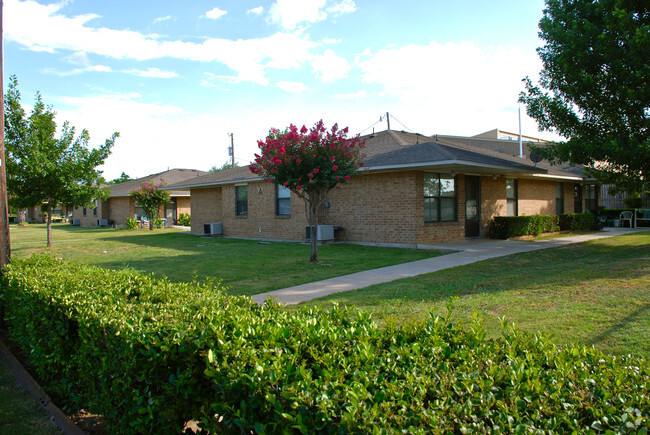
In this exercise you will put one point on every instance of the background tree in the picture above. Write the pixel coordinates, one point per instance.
(151, 199)
(310, 163)
(43, 170)
(121, 179)
(226, 165)
(594, 88)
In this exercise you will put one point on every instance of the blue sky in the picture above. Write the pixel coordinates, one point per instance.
(174, 78)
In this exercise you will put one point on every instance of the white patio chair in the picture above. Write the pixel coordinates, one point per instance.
(627, 216)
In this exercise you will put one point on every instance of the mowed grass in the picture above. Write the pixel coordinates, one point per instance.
(247, 267)
(595, 293)
(19, 412)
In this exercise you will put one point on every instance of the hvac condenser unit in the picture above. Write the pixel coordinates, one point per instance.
(213, 229)
(325, 232)
(75, 222)
(102, 222)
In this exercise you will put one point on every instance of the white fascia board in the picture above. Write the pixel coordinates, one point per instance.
(558, 177)
(217, 183)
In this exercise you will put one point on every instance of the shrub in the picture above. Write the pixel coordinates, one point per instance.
(184, 219)
(503, 227)
(577, 221)
(158, 223)
(151, 355)
(131, 223)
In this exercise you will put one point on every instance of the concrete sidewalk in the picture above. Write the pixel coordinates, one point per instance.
(470, 251)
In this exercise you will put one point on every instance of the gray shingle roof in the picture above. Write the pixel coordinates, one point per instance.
(394, 150)
(169, 177)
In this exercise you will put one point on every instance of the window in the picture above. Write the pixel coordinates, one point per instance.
(591, 198)
(95, 209)
(139, 213)
(439, 198)
(559, 198)
(283, 201)
(511, 197)
(84, 211)
(241, 200)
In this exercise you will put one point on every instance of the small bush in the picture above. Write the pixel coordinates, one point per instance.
(131, 223)
(184, 219)
(577, 221)
(158, 223)
(504, 227)
(151, 355)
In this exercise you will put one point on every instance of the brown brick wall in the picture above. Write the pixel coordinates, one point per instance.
(119, 209)
(384, 208)
(183, 205)
(536, 197)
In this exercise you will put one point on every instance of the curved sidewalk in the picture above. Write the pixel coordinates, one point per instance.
(470, 251)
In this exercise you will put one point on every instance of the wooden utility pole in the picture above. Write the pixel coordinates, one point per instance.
(5, 243)
(232, 148)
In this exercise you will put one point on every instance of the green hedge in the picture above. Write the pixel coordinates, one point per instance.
(151, 355)
(577, 221)
(503, 227)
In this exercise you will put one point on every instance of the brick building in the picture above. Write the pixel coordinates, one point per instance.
(119, 206)
(413, 190)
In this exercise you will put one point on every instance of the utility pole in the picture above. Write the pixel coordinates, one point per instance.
(387, 117)
(231, 150)
(5, 243)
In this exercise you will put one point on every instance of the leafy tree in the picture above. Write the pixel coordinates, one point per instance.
(121, 179)
(43, 169)
(221, 168)
(151, 198)
(594, 88)
(310, 163)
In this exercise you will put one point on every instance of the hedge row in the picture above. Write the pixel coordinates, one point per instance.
(151, 355)
(503, 227)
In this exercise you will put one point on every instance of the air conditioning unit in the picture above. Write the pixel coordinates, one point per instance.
(325, 232)
(102, 222)
(75, 222)
(213, 229)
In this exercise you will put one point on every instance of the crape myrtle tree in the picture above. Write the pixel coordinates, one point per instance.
(594, 88)
(151, 199)
(310, 163)
(46, 170)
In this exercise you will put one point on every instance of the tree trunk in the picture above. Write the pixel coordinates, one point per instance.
(49, 225)
(314, 208)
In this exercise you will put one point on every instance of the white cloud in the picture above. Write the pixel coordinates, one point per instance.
(162, 19)
(77, 71)
(352, 96)
(290, 14)
(42, 28)
(292, 87)
(330, 41)
(214, 14)
(153, 73)
(330, 67)
(475, 85)
(255, 11)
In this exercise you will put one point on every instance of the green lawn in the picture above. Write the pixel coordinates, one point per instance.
(246, 266)
(19, 412)
(597, 293)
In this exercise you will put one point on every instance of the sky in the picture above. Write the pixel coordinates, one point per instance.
(175, 79)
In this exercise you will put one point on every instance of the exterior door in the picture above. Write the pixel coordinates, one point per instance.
(170, 213)
(577, 198)
(472, 206)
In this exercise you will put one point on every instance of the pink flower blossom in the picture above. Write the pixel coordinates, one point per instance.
(347, 177)
(286, 183)
(298, 187)
(298, 161)
(338, 178)
(282, 150)
(316, 170)
(334, 167)
(332, 158)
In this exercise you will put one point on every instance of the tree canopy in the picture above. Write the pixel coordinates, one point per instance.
(593, 89)
(151, 198)
(45, 170)
(310, 163)
(121, 179)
